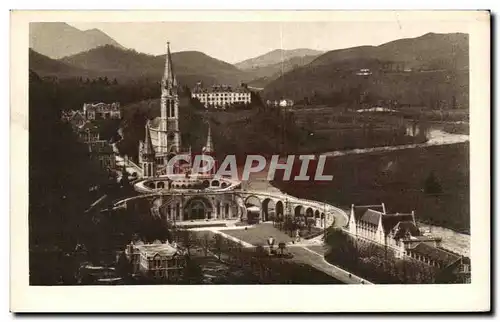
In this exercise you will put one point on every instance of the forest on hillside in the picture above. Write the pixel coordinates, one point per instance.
(63, 182)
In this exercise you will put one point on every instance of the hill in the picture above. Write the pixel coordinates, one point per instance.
(429, 52)
(431, 70)
(58, 39)
(261, 76)
(190, 66)
(274, 57)
(45, 66)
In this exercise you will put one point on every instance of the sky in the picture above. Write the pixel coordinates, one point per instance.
(236, 41)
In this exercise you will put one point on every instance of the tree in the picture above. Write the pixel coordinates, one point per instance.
(124, 267)
(260, 251)
(124, 181)
(193, 274)
(205, 243)
(432, 185)
(186, 239)
(310, 222)
(60, 176)
(279, 221)
(218, 243)
(272, 217)
(282, 247)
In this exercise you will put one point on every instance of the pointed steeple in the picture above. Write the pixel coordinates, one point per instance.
(209, 147)
(169, 80)
(148, 144)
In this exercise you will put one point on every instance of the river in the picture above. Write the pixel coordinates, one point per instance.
(435, 136)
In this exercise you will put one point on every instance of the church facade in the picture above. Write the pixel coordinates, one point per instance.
(162, 139)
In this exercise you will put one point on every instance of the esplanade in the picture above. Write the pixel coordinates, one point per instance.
(208, 198)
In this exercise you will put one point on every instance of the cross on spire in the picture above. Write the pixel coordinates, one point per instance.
(169, 80)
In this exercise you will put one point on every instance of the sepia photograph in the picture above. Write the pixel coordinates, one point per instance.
(272, 150)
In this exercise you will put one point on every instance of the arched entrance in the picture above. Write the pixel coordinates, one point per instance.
(316, 217)
(198, 208)
(253, 201)
(279, 208)
(254, 208)
(268, 208)
(299, 211)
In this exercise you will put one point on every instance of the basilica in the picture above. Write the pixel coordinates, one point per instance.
(162, 138)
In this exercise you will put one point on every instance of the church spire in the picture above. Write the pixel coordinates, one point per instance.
(209, 147)
(169, 80)
(148, 144)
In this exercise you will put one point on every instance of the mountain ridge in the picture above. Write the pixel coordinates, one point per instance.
(130, 65)
(428, 70)
(58, 39)
(275, 56)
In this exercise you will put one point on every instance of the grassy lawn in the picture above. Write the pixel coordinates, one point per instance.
(397, 178)
(320, 249)
(260, 234)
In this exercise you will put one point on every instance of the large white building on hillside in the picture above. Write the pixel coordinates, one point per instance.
(222, 96)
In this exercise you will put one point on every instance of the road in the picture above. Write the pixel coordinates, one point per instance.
(307, 255)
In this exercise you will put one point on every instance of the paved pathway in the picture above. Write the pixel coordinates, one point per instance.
(130, 167)
(317, 260)
(308, 252)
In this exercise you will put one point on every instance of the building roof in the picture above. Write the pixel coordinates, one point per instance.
(155, 123)
(89, 126)
(371, 216)
(77, 115)
(220, 89)
(436, 254)
(157, 248)
(389, 221)
(360, 210)
(103, 106)
(403, 228)
(137, 242)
